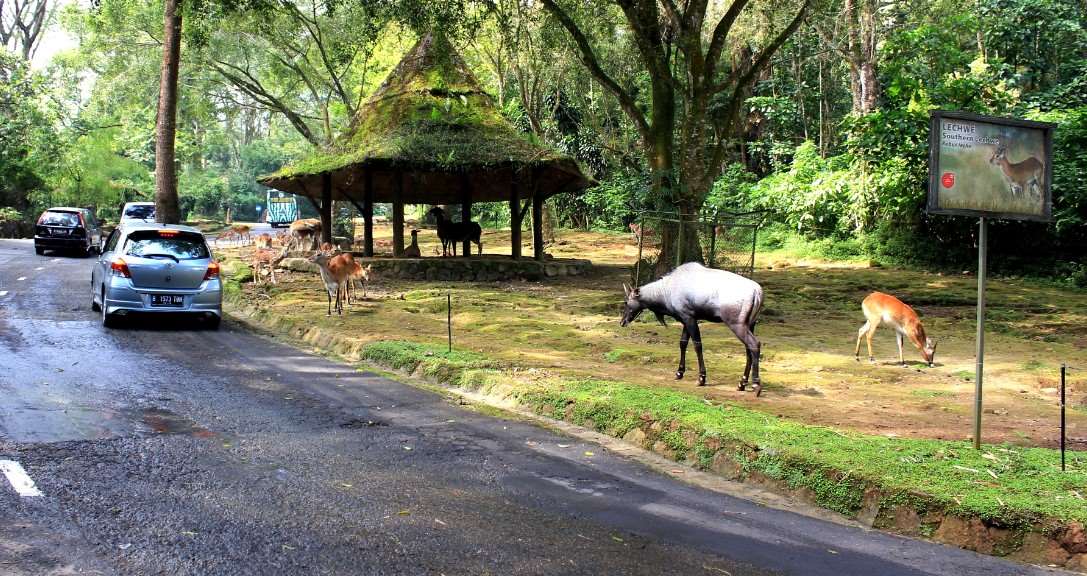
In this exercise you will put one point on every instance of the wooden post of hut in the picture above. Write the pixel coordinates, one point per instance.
(398, 214)
(326, 207)
(515, 219)
(466, 211)
(368, 214)
(537, 226)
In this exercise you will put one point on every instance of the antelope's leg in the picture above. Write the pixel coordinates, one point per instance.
(329, 294)
(754, 349)
(871, 332)
(696, 335)
(898, 338)
(683, 338)
(860, 335)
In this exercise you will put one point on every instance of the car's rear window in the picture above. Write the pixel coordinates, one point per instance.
(138, 212)
(51, 218)
(166, 244)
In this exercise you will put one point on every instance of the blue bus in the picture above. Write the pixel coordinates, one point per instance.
(282, 209)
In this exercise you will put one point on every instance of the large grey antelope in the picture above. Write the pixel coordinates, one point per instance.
(693, 292)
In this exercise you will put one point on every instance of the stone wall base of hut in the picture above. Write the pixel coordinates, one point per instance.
(475, 269)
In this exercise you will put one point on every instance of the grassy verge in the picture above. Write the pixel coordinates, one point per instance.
(1011, 487)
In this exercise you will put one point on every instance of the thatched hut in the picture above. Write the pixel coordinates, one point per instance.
(431, 135)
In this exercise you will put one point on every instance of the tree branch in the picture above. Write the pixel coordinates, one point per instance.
(588, 57)
(720, 34)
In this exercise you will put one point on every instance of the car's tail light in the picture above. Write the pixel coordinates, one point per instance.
(120, 267)
(213, 271)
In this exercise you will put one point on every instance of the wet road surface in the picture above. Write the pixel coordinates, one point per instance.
(160, 448)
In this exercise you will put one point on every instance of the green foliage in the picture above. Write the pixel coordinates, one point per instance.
(26, 139)
(614, 202)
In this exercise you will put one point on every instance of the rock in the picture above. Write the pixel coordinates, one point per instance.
(664, 450)
(1077, 562)
(635, 436)
(906, 521)
(1073, 538)
(870, 506)
(724, 465)
(1037, 549)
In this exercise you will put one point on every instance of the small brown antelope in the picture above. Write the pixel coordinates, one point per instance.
(241, 231)
(224, 236)
(1020, 175)
(360, 275)
(266, 258)
(264, 240)
(334, 276)
(879, 307)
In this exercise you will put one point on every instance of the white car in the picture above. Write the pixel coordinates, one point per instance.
(138, 212)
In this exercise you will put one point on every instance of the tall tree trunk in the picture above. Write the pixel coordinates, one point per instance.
(861, 27)
(166, 204)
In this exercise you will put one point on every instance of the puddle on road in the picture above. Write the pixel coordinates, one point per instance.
(160, 421)
(359, 423)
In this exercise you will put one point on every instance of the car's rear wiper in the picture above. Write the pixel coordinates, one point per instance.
(170, 256)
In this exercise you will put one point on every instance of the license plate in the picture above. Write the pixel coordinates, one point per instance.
(167, 300)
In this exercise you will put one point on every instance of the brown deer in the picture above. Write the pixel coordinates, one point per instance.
(224, 236)
(1020, 175)
(264, 241)
(879, 307)
(241, 231)
(307, 229)
(266, 258)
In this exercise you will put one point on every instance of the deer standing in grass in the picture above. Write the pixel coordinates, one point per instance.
(693, 292)
(879, 307)
(1020, 175)
(337, 273)
(266, 258)
(334, 276)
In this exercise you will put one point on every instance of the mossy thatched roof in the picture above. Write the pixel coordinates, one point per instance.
(432, 126)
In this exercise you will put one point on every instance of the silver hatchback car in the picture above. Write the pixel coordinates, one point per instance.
(156, 268)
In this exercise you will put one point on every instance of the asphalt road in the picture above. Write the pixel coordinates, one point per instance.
(162, 449)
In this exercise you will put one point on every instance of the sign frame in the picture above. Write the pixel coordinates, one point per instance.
(932, 202)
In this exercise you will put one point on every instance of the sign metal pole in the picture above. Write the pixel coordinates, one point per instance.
(1063, 367)
(980, 367)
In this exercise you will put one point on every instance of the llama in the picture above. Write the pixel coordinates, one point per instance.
(413, 250)
(451, 232)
